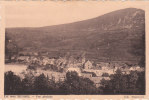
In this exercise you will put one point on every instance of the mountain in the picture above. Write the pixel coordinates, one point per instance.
(117, 35)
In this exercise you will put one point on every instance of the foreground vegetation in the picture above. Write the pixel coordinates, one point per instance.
(119, 83)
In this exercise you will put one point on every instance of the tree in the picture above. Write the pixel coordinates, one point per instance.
(116, 85)
(77, 85)
(28, 81)
(12, 83)
(140, 84)
(133, 83)
(40, 83)
(43, 85)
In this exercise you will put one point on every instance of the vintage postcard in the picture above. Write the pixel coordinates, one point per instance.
(74, 50)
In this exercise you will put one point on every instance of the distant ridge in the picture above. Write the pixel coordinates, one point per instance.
(117, 35)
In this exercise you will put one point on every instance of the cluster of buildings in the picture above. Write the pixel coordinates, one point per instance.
(84, 68)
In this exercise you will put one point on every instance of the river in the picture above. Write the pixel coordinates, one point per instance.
(16, 68)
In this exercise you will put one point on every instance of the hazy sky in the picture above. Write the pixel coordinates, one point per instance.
(37, 14)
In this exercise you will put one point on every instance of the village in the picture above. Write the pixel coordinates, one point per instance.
(56, 68)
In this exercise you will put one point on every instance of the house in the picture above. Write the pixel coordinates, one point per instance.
(22, 53)
(59, 62)
(74, 65)
(52, 61)
(35, 53)
(136, 68)
(87, 74)
(125, 71)
(23, 59)
(88, 65)
(110, 71)
(103, 64)
(62, 78)
(106, 78)
(13, 58)
(45, 61)
(97, 67)
(97, 72)
(132, 68)
(104, 68)
(33, 59)
(56, 76)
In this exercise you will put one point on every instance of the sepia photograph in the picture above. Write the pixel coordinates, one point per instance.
(74, 49)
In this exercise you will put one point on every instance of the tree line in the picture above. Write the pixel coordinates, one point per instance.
(119, 83)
